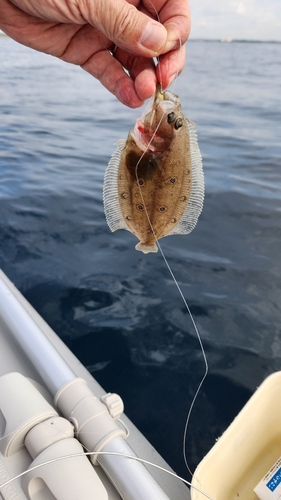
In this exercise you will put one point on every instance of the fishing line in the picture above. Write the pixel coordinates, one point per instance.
(158, 57)
(170, 270)
(91, 453)
(132, 457)
(186, 306)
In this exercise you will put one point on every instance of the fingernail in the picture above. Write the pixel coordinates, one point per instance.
(153, 37)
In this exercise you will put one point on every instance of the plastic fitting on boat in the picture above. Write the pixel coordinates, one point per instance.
(114, 404)
(94, 425)
(45, 434)
(59, 463)
(63, 465)
(21, 407)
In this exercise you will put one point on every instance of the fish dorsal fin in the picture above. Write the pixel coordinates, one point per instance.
(112, 210)
(194, 206)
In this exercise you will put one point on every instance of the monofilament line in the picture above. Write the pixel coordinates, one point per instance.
(90, 453)
(158, 58)
(203, 354)
(180, 292)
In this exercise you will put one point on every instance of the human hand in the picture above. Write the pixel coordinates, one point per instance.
(105, 36)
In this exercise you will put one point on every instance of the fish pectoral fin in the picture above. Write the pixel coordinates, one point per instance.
(146, 248)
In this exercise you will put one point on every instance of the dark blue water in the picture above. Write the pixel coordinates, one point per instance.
(117, 309)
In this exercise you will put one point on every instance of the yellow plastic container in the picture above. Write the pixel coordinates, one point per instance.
(247, 449)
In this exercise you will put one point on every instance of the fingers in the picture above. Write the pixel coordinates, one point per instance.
(110, 73)
(131, 88)
(141, 70)
(137, 32)
(170, 66)
(126, 26)
(175, 16)
(82, 32)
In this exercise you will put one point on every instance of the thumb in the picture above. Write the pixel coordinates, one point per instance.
(125, 26)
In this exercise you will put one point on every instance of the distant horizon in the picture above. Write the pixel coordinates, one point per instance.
(209, 39)
(253, 20)
(232, 40)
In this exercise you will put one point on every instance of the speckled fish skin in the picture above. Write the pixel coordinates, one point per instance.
(154, 171)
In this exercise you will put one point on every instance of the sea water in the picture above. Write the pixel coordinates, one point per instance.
(119, 311)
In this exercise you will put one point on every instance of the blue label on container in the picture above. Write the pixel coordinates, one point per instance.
(275, 480)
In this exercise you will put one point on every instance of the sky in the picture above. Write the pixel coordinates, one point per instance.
(236, 19)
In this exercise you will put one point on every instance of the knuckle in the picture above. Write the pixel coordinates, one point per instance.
(124, 25)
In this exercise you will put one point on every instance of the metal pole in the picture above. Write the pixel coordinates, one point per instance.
(45, 358)
(132, 480)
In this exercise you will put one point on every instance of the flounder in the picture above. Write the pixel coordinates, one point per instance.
(154, 183)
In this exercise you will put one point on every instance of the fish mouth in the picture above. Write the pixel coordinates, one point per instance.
(148, 141)
(165, 102)
(144, 138)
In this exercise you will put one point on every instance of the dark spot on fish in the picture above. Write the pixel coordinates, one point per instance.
(178, 123)
(145, 166)
(150, 231)
(172, 180)
(171, 117)
(173, 220)
(140, 207)
(162, 209)
(141, 182)
(183, 198)
(187, 171)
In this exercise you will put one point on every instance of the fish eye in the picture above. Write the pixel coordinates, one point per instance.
(171, 117)
(178, 123)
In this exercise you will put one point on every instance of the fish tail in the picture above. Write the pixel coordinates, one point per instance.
(146, 248)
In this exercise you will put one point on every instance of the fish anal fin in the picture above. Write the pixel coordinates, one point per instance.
(112, 210)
